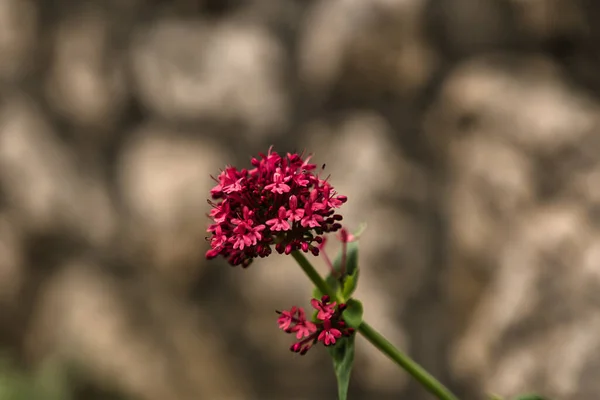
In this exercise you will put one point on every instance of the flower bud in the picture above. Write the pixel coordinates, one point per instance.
(296, 347)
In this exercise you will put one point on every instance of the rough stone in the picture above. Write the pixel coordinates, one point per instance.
(164, 179)
(18, 38)
(42, 181)
(190, 70)
(85, 84)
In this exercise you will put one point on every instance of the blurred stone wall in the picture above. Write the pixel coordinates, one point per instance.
(464, 132)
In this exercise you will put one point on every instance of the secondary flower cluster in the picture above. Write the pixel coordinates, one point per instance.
(328, 329)
(281, 202)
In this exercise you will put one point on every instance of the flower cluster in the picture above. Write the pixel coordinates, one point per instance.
(329, 327)
(280, 202)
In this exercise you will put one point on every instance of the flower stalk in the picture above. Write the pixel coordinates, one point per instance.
(314, 276)
(409, 365)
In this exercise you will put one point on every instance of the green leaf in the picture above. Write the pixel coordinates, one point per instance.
(530, 397)
(342, 354)
(351, 269)
(353, 313)
(333, 283)
(351, 258)
(350, 284)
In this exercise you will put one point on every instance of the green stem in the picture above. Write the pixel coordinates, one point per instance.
(377, 340)
(417, 372)
(313, 275)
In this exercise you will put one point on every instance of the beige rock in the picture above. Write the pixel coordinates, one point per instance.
(90, 318)
(42, 182)
(524, 101)
(467, 27)
(86, 81)
(328, 32)
(18, 38)
(532, 325)
(12, 263)
(164, 177)
(516, 141)
(230, 73)
(365, 47)
(579, 174)
(490, 183)
(548, 19)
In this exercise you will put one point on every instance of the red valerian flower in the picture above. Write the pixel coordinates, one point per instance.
(280, 202)
(281, 222)
(329, 334)
(325, 310)
(328, 329)
(286, 318)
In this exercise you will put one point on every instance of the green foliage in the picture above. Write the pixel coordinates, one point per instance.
(350, 278)
(353, 313)
(342, 355)
(349, 285)
(344, 280)
(351, 259)
(48, 383)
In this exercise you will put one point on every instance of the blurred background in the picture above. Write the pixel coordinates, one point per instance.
(464, 133)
